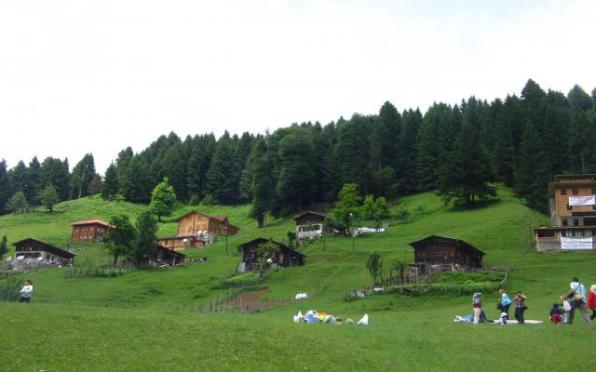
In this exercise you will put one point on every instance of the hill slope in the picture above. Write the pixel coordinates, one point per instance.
(154, 312)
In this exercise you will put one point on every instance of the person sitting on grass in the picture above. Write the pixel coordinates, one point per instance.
(26, 291)
(556, 314)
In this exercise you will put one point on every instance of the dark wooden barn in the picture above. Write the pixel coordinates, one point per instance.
(92, 230)
(284, 256)
(166, 256)
(33, 252)
(441, 253)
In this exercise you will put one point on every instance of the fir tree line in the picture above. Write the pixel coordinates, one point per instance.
(458, 150)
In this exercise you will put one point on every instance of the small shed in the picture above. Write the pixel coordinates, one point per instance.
(182, 242)
(309, 225)
(91, 230)
(284, 255)
(166, 256)
(442, 253)
(33, 252)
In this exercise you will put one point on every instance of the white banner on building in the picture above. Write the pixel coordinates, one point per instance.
(576, 243)
(582, 200)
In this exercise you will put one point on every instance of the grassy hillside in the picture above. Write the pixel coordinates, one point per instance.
(152, 318)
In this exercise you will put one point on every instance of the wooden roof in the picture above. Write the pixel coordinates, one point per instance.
(44, 246)
(170, 251)
(91, 222)
(310, 212)
(191, 213)
(460, 242)
(259, 241)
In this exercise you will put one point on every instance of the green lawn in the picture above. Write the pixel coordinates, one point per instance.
(153, 319)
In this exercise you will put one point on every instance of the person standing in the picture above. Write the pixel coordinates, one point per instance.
(577, 299)
(477, 306)
(592, 301)
(520, 307)
(26, 291)
(505, 302)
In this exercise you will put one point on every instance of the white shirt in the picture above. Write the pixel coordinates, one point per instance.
(26, 291)
(579, 289)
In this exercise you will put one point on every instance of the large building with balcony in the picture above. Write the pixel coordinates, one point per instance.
(572, 203)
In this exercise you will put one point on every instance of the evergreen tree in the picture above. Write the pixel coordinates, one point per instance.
(32, 188)
(201, 151)
(163, 199)
(3, 248)
(508, 120)
(223, 177)
(579, 100)
(120, 237)
(48, 197)
(375, 266)
(81, 177)
(19, 178)
(391, 127)
(136, 185)
(464, 176)
(122, 164)
(295, 186)
(262, 185)
(144, 245)
(55, 172)
(351, 152)
(17, 203)
(174, 167)
(5, 189)
(406, 169)
(109, 187)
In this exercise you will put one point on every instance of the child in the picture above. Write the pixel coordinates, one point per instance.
(556, 314)
(503, 318)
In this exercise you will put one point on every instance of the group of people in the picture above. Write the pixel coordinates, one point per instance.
(562, 312)
(503, 305)
(576, 299)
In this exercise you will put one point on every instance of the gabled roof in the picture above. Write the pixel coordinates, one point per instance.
(191, 213)
(170, 251)
(46, 247)
(259, 241)
(222, 219)
(460, 242)
(310, 212)
(91, 222)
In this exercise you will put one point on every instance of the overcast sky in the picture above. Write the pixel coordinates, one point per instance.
(96, 76)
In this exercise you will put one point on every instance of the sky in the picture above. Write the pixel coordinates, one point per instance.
(80, 76)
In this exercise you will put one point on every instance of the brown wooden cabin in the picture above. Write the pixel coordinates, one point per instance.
(195, 222)
(285, 256)
(33, 252)
(166, 256)
(440, 253)
(572, 203)
(92, 230)
(309, 225)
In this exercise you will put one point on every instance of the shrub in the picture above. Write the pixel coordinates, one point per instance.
(9, 288)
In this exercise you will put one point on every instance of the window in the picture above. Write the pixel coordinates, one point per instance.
(576, 222)
(564, 221)
(574, 191)
(593, 191)
(563, 191)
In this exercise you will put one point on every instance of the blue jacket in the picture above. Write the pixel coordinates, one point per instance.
(505, 300)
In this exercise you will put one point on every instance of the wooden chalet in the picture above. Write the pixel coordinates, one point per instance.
(33, 252)
(440, 253)
(572, 204)
(92, 230)
(310, 225)
(284, 255)
(197, 230)
(166, 256)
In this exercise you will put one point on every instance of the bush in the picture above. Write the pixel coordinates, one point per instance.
(250, 280)
(10, 288)
(95, 272)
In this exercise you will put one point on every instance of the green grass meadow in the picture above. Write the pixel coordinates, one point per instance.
(156, 319)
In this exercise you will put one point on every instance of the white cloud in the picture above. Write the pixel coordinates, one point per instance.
(97, 76)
